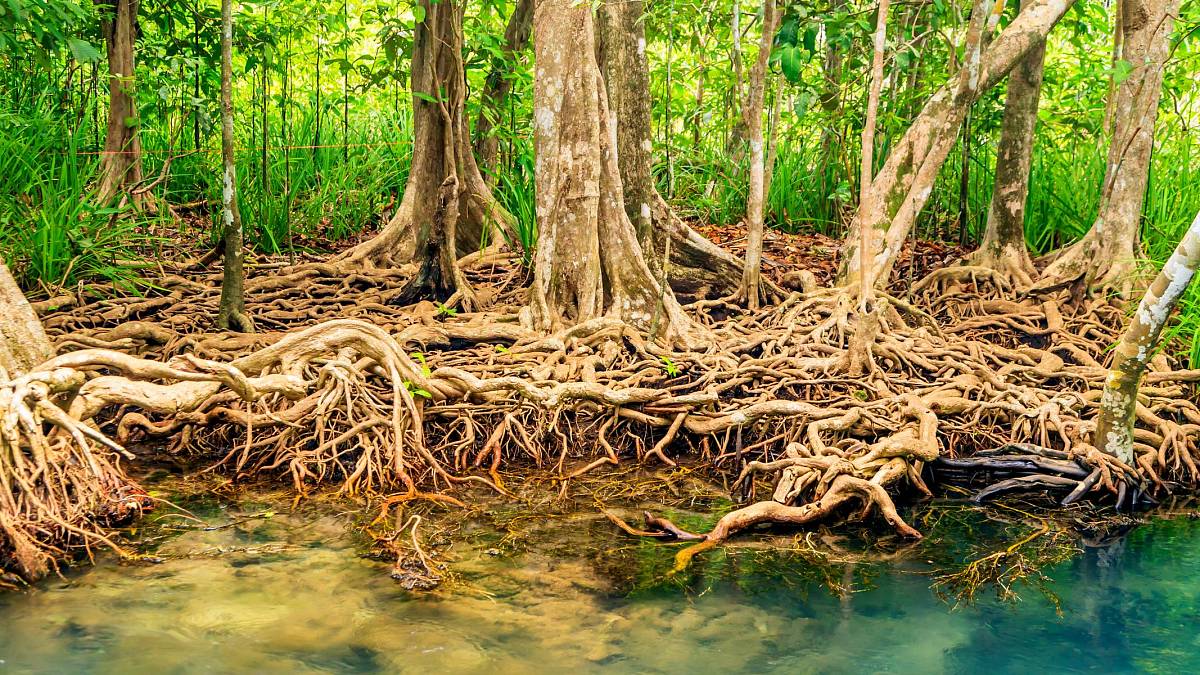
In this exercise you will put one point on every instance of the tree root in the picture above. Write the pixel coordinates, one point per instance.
(417, 400)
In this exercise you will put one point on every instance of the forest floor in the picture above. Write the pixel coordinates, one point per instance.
(958, 387)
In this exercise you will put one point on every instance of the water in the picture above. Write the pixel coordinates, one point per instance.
(292, 593)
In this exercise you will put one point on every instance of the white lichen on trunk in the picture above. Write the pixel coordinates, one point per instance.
(1118, 403)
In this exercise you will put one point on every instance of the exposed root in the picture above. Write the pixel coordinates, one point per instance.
(420, 400)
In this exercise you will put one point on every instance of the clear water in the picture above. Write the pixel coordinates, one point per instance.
(292, 593)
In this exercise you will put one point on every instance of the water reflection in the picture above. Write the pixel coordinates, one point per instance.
(290, 593)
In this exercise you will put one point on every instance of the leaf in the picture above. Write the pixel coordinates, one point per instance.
(791, 61)
(83, 51)
(1121, 71)
(418, 14)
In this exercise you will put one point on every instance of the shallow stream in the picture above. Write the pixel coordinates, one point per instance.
(271, 591)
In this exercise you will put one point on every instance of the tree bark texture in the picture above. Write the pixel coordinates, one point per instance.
(447, 209)
(23, 342)
(1003, 247)
(905, 181)
(121, 163)
(588, 263)
(232, 313)
(752, 113)
(1106, 256)
(1118, 403)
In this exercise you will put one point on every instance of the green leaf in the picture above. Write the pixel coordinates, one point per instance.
(83, 51)
(791, 61)
(1121, 71)
(418, 14)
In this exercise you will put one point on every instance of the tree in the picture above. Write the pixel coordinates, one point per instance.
(696, 266)
(752, 113)
(448, 209)
(232, 314)
(867, 166)
(1106, 257)
(499, 84)
(23, 342)
(1003, 248)
(1119, 402)
(588, 262)
(121, 163)
(904, 183)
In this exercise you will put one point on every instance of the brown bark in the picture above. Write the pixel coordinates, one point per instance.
(447, 209)
(1105, 258)
(904, 183)
(697, 266)
(1003, 247)
(23, 342)
(121, 163)
(232, 314)
(867, 155)
(498, 86)
(588, 262)
(752, 113)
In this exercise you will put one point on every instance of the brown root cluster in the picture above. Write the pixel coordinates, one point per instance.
(844, 410)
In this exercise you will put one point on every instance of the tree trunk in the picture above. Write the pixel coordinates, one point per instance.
(447, 209)
(1118, 404)
(232, 313)
(904, 183)
(1105, 258)
(697, 266)
(121, 163)
(498, 85)
(621, 34)
(1003, 247)
(23, 342)
(588, 262)
(752, 113)
(867, 155)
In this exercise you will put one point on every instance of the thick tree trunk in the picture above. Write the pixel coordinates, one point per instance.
(447, 210)
(697, 266)
(752, 113)
(232, 314)
(904, 183)
(1118, 404)
(621, 32)
(1105, 258)
(588, 262)
(1003, 247)
(23, 342)
(498, 86)
(121, 163)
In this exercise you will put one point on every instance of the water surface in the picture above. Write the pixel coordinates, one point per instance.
(293, 593)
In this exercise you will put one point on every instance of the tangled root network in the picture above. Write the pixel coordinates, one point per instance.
(844, 407)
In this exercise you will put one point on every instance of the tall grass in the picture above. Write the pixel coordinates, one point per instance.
(52, 229)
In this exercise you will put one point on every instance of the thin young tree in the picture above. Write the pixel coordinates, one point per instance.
(1003, 248)
(1106, 257)
(498, 86)
(588, 262)
(232, 313)
(121, 161)
(1118, 403)
(867, 165)
(753, 116)
(901, 187)
(447, 210)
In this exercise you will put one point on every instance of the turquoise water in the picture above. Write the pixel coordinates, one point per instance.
(274, 592)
